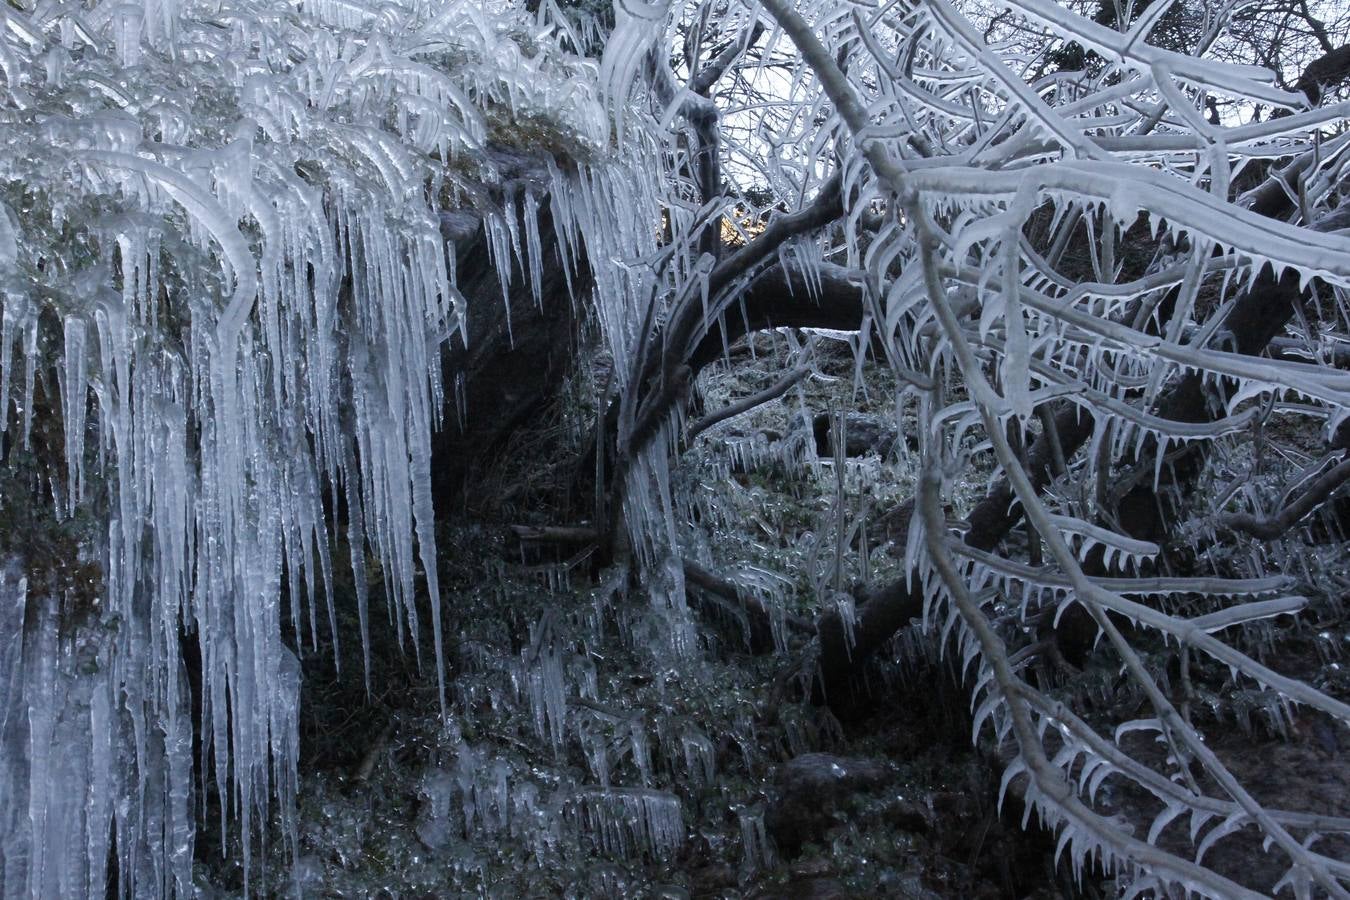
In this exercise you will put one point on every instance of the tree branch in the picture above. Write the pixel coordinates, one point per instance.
(1269, 527)
(759, 616)
(773, 392)
(702, 82)
(827, 206)
(1328, 70)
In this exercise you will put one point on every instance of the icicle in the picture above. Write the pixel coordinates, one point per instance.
(630, 822)
(700, 756)
(12, 323)
(757, 850)
(74, 395)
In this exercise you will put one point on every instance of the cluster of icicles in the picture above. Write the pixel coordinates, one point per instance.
(220, 232)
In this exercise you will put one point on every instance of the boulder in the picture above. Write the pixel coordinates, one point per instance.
(810, 789)
(863, 434)
(810, 888)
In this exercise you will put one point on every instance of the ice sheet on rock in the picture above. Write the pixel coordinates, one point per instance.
(257, 325)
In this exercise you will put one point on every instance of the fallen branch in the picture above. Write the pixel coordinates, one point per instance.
(556, 534)
(733, 598)
(773, 392)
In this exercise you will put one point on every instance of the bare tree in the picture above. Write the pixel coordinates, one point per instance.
(1100, 257)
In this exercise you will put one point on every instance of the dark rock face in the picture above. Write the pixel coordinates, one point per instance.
(811, 789)
(863, 434)
(519, 351)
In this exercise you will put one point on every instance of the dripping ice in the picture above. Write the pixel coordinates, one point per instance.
(256, 333)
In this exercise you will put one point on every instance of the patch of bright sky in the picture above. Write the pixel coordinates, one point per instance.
(775, 126)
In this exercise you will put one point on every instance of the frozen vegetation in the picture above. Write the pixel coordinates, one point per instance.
(920, 357)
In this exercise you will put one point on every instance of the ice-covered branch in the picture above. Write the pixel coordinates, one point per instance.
(1277, 523)
(955, 211)
(744, 405)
